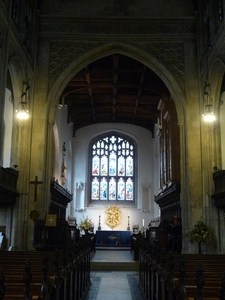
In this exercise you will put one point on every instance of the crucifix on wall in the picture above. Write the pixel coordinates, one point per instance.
(35, 183)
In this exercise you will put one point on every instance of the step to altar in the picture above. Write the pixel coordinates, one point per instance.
(113, 260)
(114, 266)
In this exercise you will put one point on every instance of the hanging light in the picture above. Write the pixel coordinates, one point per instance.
(22, 112)
(209, 115)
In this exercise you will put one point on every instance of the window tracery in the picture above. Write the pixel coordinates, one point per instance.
(112, 169)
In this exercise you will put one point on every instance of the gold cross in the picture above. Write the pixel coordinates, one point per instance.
(35, 183)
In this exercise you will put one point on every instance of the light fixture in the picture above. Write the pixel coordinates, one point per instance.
(22, 112)
(208, 115)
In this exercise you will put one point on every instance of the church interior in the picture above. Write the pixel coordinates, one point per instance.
(112, 137)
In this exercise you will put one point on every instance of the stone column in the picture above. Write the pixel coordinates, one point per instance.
(80, 195)
(4, 40)
(21, 209)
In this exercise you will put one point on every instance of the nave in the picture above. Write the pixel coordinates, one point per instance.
(114, 275)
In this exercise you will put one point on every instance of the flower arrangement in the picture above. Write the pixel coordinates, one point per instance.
(201, 233)
(86, 224)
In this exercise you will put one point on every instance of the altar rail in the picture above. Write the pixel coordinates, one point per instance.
(189, 276)
(58, 275)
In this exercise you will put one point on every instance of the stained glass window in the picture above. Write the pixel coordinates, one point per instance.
(112, 169)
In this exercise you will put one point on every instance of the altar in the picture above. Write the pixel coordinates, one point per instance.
(113, 238)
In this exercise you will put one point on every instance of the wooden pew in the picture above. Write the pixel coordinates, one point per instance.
(213, 268)
(13, 265)
(73, 272)
(157, 281)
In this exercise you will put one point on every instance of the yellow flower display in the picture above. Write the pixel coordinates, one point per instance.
(86, 224)
(201, 234)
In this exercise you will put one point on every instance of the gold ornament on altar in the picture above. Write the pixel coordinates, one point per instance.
(113, 216)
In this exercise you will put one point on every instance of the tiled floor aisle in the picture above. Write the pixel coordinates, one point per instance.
(114, 285)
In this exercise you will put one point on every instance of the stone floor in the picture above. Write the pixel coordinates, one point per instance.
(114, 285)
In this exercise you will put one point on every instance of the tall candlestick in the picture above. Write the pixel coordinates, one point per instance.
(128, 225)
(143, 224)
(99, 223)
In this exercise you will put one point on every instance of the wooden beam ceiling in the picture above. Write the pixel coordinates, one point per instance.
(114, 89)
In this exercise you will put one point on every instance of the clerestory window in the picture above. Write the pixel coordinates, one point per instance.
(112, 169)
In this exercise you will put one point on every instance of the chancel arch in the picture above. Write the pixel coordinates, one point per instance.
(217, 80)
(151, 62)
(136, 53)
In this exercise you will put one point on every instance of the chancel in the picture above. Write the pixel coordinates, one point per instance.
(121, 153)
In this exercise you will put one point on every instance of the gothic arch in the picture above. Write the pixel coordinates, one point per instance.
(151, 62)
(217, 76)
(17, 72)
(124, 49)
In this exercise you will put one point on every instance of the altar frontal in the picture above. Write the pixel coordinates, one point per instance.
(113, 238)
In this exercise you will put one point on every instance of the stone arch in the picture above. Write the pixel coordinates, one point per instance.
(17, 72)
(217, 74)
(216, 152)
(151, 62)
(124, 49)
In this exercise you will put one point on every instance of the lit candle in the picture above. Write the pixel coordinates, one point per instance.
(143, 222)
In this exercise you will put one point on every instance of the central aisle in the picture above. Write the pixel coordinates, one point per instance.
(114, 284)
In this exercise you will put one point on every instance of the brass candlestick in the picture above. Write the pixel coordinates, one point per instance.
(128, 225)
(99, 223)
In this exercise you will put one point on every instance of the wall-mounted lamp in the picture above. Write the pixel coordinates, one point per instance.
(208, 116)
(22, 112)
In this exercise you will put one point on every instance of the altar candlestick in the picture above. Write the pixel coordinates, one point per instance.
(143, 224)
(128, 225)
(99, 223)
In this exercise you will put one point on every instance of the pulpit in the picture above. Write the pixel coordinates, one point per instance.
(113, 238)
(8, 189)
(54, 232)
(219, 193)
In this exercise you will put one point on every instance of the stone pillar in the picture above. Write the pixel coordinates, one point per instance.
(80, 195)
(21, 209)
(4, 40)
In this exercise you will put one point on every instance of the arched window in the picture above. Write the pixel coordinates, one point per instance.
(112, 169)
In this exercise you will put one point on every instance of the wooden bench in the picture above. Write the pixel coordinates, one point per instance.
(213, 267)
(152, 276)
(13, 263)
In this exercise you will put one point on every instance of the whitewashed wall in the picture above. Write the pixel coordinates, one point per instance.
(145, 207)
(77, 171)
